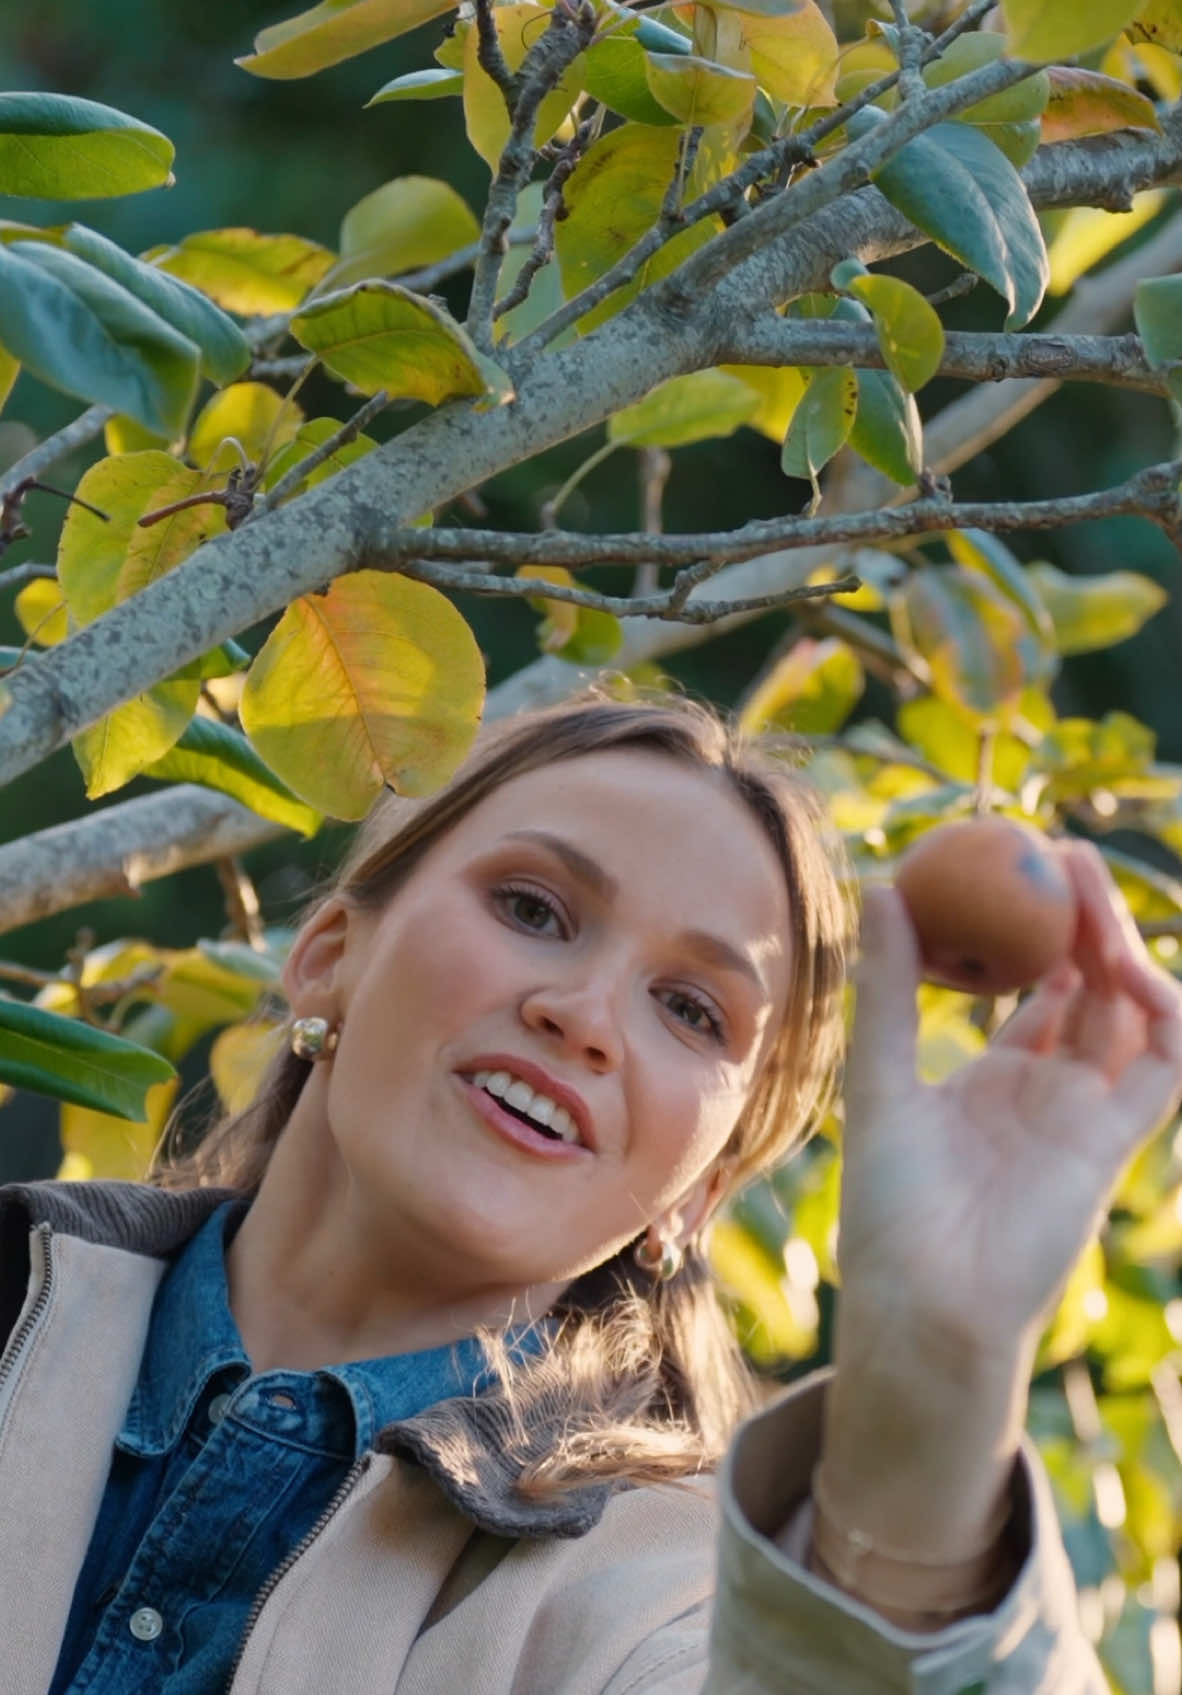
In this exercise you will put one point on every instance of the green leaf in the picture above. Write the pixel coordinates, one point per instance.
(887, 431)
(1010, 119)
(697, 91)
(614, 73)
(1157, 313)
(596, 639)
(10, 370)
(376, 681)
(407, 223)
(955, 626)
(218, 757)
(57, 147)
(376, 335)
(909, 329)
(956, 186)
(333, 31)
(1087, 103)
(1095, 612)
(696, 407)
(73, 1061)
(435, 83)
(821, 423)
(306, 440)
(1059, 29)
(225, 352)
(78, 331)
(245, 271)
(979, 551)
(613, 197)
(221, 661)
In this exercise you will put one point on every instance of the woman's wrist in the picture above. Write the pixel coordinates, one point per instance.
(914, 1479)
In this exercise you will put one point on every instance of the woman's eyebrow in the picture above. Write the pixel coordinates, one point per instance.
(603, 884)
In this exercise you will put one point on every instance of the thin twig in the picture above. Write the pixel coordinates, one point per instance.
(242, 902)
(567, 33)
(17, 575)
(299, 474)
(975, 356)
(77, 433)
(655, 468)
(553, 208)
(1151, 493)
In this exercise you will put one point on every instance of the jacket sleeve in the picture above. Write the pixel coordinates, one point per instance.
(777, 1629)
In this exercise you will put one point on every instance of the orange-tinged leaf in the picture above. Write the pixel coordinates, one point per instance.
(377, 681)
(1086, 103)
(332, 31)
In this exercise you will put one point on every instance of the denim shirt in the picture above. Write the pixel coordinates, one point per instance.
(216, 1476)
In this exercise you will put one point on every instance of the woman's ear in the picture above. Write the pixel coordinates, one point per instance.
(697, 1205)
(311, 976)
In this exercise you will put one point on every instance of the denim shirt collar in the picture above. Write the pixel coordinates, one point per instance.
(193, 1337)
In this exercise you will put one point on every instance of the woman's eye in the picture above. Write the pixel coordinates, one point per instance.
(528, 908)
(697, 1014)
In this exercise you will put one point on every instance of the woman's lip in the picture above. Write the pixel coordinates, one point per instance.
(537, 1078)
(513, 1130)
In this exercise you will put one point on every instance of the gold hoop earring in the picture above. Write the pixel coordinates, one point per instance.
(663, 1263)
(313, 1039)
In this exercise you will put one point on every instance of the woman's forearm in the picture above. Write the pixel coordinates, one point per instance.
(917, 1457)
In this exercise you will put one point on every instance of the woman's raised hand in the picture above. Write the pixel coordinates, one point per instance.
(965, 1204)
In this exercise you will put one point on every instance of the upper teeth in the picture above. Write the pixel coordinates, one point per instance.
(520, 1095)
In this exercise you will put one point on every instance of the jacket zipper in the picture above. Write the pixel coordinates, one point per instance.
(356, 1471)
(36, 1312)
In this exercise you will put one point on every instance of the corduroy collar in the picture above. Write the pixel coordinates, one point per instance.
(465, 1449)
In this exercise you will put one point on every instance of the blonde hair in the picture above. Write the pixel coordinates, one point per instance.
(647, 1378)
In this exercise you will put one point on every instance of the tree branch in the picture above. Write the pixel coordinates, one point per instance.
(569, 30)
(235, 580)
(1151, 493)
(976, 357)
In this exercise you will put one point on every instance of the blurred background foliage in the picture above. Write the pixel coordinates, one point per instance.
(1106, 1408)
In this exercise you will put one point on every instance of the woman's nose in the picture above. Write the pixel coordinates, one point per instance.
(581, 1017)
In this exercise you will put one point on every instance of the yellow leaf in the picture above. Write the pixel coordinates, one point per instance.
(332, 31)
(780, 389)
(698, 92)
(783, 1315)
(486, 116)
(133, 736)
(41, 608)
(238, 1061)
(249, 413)
(793, 54)
(1043, 30)
(97, 1145)
(1087, 234)
(376, 335)
(124, 435)
(562, 617)
(378, 680)
(9, 371)
(245, 270)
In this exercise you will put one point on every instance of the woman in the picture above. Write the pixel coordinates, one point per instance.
(411, 1379)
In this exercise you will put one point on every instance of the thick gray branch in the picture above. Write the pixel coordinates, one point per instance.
(113, 851)
(977, 357)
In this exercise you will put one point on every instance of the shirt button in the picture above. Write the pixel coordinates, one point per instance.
(217, 1408)
(145, 1624)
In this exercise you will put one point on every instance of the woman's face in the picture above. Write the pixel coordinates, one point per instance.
(605, 938)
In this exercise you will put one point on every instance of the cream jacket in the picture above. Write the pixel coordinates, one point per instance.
(427, 1576)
